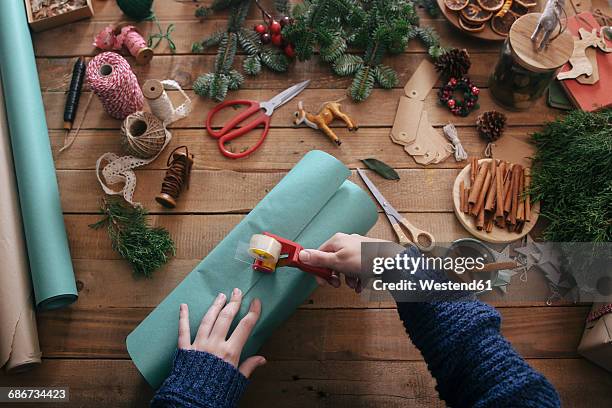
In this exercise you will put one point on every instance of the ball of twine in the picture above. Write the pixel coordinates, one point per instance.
(143, 135)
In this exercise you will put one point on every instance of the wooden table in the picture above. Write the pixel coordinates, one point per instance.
(338, 349)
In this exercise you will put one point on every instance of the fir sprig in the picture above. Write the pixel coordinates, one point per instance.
(571, 176)
(376, 27)
(146, 248)
(215, 85)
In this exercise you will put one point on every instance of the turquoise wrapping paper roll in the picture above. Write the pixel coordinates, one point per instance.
(310, 204)
(47, 243)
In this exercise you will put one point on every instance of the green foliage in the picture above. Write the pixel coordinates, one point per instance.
(211, 41)
(216, 84)
(362, 84)
(431, 6)
(381, 168)
(146, 248)
(274, 60)
(385, 76)
(347, 64)
(252, 65)
(571, 176)
(333, 50)
(375, 27)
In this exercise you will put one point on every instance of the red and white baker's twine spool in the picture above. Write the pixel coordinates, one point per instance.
(111, 78)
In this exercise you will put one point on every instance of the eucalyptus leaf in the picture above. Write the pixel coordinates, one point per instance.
(381, 168)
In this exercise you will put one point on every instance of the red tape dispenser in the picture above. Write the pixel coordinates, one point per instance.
(271, 251)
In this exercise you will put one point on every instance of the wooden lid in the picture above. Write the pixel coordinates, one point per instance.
(152, 89)
(552, 57)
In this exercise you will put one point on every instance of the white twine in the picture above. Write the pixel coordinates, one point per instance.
(121, 169)
(162, 107)
(451, 134)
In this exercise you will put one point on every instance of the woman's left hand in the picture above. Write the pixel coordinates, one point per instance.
(215, 325)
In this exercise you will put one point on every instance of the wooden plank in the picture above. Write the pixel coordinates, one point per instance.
(184, 10)
(282, 149)
(95, 276)
(55, 73)
(235, 192)
(377, 111)
(196, 235)
(53, 43)
(297, 384)
(353, 335)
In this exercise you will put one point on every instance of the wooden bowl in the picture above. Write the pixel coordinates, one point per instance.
(498, 235)
(487, 33)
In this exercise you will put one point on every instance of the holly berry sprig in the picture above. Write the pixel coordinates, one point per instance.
(270, 32)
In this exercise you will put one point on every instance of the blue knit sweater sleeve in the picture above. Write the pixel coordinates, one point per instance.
(200, 380)
(473, 364)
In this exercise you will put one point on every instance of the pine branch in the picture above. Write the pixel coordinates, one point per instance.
(146, 248)
(362, 84)
(385, 76)
(216, 84)
(252, 65)
(375, 27)
(347, 64)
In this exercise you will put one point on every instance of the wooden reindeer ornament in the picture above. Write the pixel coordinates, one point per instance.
(326, 115)
(579, 60)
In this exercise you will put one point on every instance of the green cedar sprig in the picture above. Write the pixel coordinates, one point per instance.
(146, 248)
(215, 85)
(572, 177)
(375, 27)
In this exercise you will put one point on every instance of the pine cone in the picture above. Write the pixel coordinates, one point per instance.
(490, 125)
(454, 63)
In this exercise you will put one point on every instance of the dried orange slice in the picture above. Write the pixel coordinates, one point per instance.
(456, 5)
(474, 14)
(491, 5)
(501, 25)
(470, 27)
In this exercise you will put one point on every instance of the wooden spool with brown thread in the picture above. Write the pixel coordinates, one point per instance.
(177, 176)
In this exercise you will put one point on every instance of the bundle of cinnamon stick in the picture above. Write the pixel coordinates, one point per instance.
(497, 195)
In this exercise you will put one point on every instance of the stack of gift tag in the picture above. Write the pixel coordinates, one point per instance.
(411, 127)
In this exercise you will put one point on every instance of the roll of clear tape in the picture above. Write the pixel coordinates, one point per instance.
(265, 248)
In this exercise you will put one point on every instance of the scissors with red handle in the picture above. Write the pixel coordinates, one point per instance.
(260, 112)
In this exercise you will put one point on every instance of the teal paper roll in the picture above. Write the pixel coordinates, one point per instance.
(47, 244)
(310, 204)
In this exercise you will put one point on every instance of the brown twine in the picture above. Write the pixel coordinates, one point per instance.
(177, 175)
(143, 135)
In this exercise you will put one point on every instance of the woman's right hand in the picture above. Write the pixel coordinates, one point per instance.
(342, 254)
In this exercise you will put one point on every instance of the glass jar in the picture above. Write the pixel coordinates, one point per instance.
(522, 74)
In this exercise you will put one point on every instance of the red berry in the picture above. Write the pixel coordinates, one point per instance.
(451, 103)
(275, 27)
(289, 51)
(260, 28)
(285, 21)
(277, 39)
(475, 90)
(265, 38)
(452, 82)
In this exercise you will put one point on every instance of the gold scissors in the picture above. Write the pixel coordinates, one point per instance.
(422, 239)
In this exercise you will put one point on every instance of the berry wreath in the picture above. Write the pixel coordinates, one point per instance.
(470, 96)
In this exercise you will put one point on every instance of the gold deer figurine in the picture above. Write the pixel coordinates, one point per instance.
(328, 112)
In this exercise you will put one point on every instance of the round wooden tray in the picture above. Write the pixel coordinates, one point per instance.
(487, 33)
(498, 235)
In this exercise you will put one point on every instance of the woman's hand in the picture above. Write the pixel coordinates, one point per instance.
(212, 334)
(342, 254)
